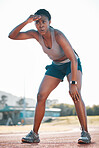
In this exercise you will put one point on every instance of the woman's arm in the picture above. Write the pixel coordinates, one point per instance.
(17, 35)
(63, 42)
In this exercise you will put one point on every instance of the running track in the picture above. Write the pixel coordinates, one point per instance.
(67, 139)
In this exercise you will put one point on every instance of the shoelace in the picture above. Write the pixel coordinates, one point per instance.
(29, 134)
(83, 134)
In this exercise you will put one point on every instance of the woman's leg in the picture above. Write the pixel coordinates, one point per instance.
(79, 105)
(47, 86)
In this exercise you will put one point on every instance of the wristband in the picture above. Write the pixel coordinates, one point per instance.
(73, 82)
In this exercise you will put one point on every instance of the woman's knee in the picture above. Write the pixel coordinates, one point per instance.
(41, 97)
(77, 98)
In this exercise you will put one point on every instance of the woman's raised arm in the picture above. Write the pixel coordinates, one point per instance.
(17, 35)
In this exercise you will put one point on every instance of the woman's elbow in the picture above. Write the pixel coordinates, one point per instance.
(11, 37)
(75, 61)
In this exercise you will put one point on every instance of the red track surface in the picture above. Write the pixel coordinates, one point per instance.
(50, 140)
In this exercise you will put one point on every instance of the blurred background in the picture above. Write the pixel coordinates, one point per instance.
(22, 63)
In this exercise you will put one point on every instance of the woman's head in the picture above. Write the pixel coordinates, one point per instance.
(43, 12)
(43, 23)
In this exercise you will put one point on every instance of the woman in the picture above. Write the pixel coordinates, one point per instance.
(65, 63)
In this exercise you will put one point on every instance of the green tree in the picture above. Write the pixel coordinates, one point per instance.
(3, 99)
(96, 109)
(89, 111)
(21, 102)
(69, 110)
(66, 109)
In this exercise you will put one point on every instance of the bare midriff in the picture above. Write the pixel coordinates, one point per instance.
(61, 59)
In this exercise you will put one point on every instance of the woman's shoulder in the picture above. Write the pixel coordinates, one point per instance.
(58, 34)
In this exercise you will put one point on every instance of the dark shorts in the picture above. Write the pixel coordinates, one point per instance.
(60, 71)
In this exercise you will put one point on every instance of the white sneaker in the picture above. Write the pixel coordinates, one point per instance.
(85, 138)
(31, 138)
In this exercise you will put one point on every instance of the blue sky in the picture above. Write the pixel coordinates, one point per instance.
(22, 63)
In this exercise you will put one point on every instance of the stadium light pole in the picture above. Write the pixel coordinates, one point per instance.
(24, 105)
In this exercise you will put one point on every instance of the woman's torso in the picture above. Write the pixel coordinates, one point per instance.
(55, 53)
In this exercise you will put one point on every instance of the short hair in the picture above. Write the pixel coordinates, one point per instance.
(43, 12)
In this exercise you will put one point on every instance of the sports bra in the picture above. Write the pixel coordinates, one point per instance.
(55, 52)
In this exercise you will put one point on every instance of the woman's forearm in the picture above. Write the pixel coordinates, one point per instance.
(16, 30)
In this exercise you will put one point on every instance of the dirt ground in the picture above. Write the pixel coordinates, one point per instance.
(61, 138)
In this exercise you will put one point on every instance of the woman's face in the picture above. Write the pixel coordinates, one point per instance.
(42, 25)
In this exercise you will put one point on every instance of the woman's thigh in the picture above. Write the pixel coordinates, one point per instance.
(48, 84)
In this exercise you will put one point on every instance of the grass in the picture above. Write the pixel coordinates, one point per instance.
(73, 120)
(93, 120)
(58, 124)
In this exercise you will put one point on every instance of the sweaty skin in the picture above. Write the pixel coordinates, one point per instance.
(49, 83)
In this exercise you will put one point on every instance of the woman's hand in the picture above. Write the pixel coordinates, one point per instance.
(33, 18)
(74, 93)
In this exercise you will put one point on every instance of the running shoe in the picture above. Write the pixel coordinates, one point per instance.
(85, 138)
(31, 138)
